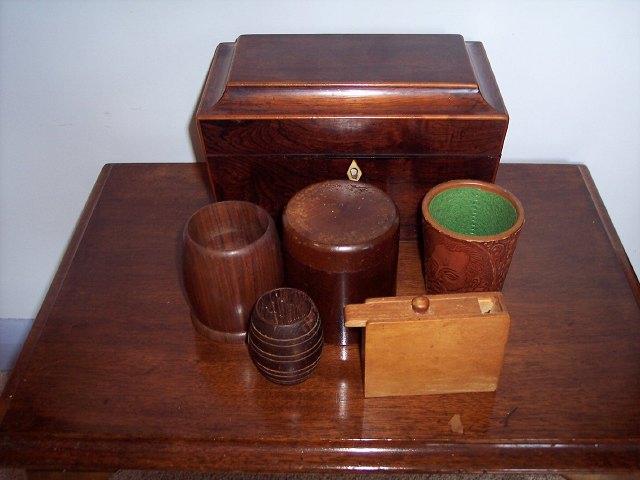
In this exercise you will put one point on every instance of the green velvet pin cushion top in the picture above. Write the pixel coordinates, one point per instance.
(473, 211)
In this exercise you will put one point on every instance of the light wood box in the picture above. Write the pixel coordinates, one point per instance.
(455, 345)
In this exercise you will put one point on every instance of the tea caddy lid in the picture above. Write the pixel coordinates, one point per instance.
(340, 225)
(302, 76)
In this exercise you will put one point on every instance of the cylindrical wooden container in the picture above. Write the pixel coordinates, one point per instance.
(340, 246)
(285, 336)
(231, 257)
(470, 232)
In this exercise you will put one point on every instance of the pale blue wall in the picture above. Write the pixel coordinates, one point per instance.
(83, 83)
(13, 332)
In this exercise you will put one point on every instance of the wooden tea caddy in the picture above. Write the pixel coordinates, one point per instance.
(431, 344)
(402, 112)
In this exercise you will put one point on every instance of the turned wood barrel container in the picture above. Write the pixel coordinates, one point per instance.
(285, 336)
(340, 246)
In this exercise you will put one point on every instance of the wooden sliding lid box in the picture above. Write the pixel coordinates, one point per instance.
(280, 112)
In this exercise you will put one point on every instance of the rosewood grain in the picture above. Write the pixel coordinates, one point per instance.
(231, 257)
(418, 110)
(374, 136)
(280, 177)
(113, 375)
(370, 59)
(341, 246)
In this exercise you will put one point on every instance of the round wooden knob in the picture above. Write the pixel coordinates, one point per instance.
(420, 304)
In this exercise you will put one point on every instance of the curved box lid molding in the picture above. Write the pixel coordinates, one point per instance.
(289, 76)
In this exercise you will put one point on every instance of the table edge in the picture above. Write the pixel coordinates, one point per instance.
(335, 456)
(229, 454)
(54, 289)
(611, 232)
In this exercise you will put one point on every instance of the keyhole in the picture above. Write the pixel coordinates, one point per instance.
(353, 172)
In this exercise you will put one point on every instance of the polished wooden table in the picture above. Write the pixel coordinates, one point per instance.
(113, 375)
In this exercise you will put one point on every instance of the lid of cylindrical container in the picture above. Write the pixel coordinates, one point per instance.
(340, 225)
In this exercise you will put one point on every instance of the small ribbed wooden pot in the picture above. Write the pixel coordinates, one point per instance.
(285, 336)
(341, 246)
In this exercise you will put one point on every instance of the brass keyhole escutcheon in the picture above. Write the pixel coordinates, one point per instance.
(354, 173)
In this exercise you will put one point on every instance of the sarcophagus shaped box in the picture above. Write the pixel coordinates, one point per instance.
(402, 112)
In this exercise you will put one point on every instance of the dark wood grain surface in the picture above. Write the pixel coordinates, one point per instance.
(320, 59)
(281, 112)
(285, 336)
(354, 136)
(340, 240)
(231, 256)
(406, 76)
(114, 376)
(272, 182)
